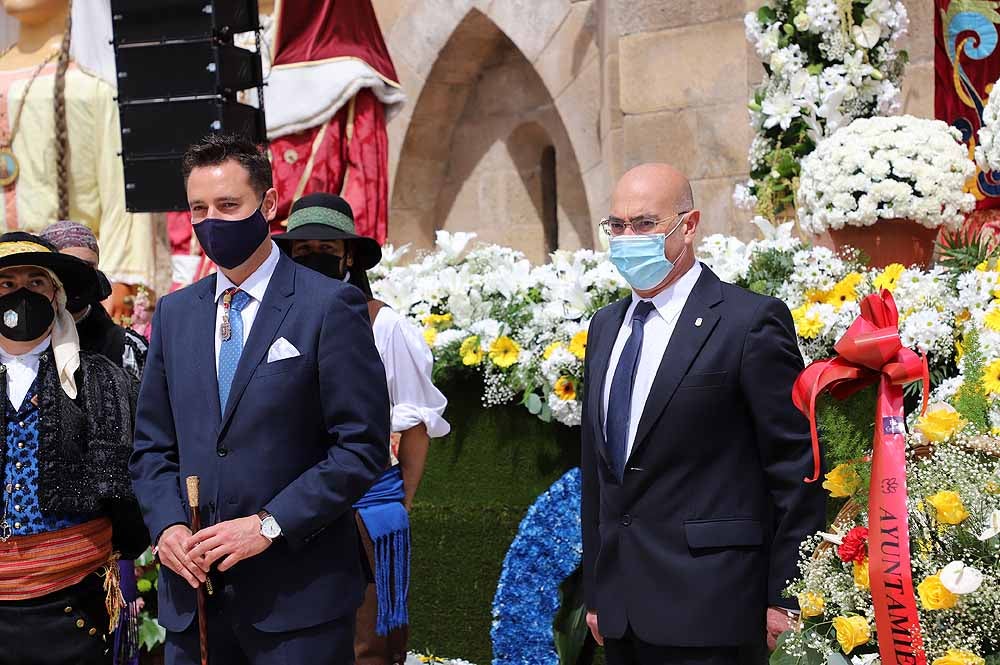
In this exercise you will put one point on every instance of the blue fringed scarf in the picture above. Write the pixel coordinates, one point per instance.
(388, 524)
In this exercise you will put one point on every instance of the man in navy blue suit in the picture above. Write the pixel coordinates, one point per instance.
(263, 380)
(693, 455)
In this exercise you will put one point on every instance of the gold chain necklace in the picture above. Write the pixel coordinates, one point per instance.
(10, 169)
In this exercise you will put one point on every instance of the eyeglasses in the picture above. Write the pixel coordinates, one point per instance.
(612, 226)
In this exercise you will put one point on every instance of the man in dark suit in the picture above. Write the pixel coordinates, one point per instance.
(693, 454)
(263, 380)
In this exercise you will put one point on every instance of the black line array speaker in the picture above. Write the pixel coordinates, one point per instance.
(178, 78)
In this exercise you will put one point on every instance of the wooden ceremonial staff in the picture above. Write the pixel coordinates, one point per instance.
(193, 500)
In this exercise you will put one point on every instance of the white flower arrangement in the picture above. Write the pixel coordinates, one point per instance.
(988, 150)
(827, 62)
(885, 168)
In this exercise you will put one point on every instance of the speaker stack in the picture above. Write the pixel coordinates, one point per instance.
(178, 79)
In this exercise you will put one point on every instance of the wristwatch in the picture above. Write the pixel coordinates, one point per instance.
(269, 526)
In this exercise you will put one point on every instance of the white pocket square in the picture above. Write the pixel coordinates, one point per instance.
(282, 349)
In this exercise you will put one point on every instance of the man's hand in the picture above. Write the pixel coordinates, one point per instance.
(779, 621)
(229, 542)
(594, 630)
(172, 549)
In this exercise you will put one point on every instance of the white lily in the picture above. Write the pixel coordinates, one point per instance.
(453, 244)
(391, 255)
(992, 527)
(867, 34)
(832, 538)
(960, 579)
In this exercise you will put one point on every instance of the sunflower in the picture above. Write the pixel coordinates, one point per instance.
(504, 352)
(889, 277)
(565, 388)
(991, 378)
(550, 349)
(578, 345)
(471, 351)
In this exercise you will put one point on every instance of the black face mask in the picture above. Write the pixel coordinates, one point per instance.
(326, 264)
(25, 315)
(78, 302)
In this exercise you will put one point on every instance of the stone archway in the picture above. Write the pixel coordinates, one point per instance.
(547, 51)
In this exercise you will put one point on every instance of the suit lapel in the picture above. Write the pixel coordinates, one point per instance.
(204, 354)
(271, 313)
(685, 343)
(599, 369)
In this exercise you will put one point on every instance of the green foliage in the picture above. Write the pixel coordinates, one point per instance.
(970, 400)
(151, 633)
(846, 427)
(570, 629)
(479, 483)
(961, 250)
(768, 271)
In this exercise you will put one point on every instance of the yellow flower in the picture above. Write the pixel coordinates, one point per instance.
(959, 351)
(948, 507)
(984, 266)
(814, 296)
(504, 352)
(842, 481)
(566, 389)
(861, 579)
(940, 423)
(852, 632)
(845, 291)
(550, 349)
(992, 319)
(437, 320)
(811, 604)
(959, 657)
(471, 351)
(934, 596)
(889, 277)
(578, 345)
(807, 324)
(430, 336)
(963, 316)
(991, 378)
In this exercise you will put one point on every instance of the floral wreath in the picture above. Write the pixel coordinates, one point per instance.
(547, 549)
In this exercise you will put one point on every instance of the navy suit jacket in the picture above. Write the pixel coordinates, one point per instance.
(302, 438)
(702, 533)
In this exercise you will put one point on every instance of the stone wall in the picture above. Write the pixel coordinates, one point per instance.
(626, 81)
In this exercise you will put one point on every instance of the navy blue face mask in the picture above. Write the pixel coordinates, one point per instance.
(230, 242)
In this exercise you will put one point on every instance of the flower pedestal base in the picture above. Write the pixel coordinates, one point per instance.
(890, 241)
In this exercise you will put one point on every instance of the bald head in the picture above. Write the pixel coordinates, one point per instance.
(658, 185)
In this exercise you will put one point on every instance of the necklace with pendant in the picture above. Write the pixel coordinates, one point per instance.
(10, 168)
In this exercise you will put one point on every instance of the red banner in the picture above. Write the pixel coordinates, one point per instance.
(966, 65)
(871, 352)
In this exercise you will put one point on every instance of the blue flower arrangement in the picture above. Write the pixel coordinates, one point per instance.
(548, 548)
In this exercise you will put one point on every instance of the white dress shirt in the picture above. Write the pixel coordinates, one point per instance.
(21, 371)
(255, 286)
(656, 335)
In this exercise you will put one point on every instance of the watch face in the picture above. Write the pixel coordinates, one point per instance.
(269, 527)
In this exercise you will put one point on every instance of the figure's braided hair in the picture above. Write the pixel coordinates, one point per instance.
(61, 128)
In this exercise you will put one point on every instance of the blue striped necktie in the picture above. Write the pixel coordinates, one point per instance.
(620, 398)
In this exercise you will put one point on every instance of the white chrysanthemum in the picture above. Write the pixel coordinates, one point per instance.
(852, 177)
(927, 330)
(568, 412)
(988, 150)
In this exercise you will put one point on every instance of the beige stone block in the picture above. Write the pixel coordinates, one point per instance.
(919, 41)
(918, 90)
(570, 50)
(611, 109)
(636, 16)
(579, 107)
(420, 34)
(706, 142)
(411, 226)
(510, 87)
(613, 148)
(714, 198)
(692, 66)
(530, 24)
(417, 183)
(388, 12)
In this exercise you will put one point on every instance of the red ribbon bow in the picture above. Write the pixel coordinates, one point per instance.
(869, 352)
(870, 348)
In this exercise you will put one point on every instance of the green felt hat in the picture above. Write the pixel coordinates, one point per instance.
(323, 216)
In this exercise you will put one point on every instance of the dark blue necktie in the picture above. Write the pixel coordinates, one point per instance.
(620, 398)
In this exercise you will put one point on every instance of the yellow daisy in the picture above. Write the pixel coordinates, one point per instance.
(991, 378)
(807, 323)
(471, 351)
(845, 291)
(992, 319)
(889, 277)
(550, 349)
(430, 336)
(578, 345)
(504, 352)
(565, 388)
(438, 320)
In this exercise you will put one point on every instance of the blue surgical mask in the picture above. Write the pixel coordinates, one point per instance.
(230, 242)
(641, 259)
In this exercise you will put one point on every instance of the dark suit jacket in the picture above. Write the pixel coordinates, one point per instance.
(703, 532)
(302, 438)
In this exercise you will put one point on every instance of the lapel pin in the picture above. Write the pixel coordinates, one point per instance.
(697, 322)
